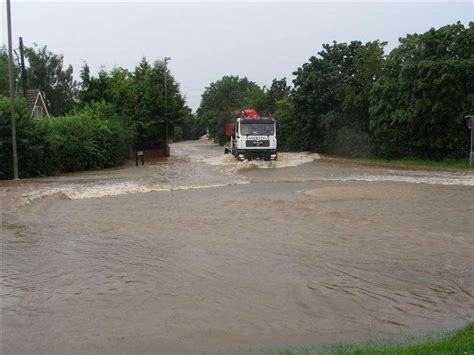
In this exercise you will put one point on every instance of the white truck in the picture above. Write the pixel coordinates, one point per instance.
(253, 137)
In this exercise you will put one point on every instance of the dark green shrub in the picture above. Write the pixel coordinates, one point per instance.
(36, 152)
(91, 139)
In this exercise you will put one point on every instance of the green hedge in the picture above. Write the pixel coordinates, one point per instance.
(90, 139)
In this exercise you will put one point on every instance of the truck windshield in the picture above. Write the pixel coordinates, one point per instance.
(262, 129)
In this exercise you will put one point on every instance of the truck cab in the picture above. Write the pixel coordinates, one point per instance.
(253, 137)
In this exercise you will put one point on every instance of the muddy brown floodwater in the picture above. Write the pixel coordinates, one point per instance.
(202, 254)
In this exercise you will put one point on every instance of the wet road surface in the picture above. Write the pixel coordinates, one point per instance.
(202, 254)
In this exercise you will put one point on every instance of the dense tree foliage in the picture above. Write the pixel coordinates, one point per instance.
(352, 99)
(427, 87)
(4, 88)
(223, 100)
(279, 90)
(265, 100)
(190, 128)
(127, 105)
(46, 72)
(5, 72)
(139, 99)
(287, 132)
(331, 96)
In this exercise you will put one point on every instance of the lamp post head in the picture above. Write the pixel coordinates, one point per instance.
(470, 121)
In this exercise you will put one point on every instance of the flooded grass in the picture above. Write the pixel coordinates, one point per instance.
(459, 164)
(459, 342)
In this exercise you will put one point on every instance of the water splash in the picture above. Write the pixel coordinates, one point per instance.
(284, 160)
(442, 179)
(78, 192)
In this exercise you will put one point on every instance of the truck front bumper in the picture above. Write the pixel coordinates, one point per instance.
(257, 154)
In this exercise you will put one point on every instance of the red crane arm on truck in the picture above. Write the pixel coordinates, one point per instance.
(249, 113)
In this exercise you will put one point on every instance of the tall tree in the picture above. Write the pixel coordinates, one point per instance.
(46, 72)
(5, 72)
(279, 90)
(418, 104)
(223, 100)
(330, 93)
(92, 89)
(139, 100)
(4, 88)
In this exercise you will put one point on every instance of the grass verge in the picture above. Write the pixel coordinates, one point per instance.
(459, 342)
(460, 164)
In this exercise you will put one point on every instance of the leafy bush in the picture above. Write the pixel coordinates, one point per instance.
(90, 139)
(85, 141)
(349, 141)
(35, 149)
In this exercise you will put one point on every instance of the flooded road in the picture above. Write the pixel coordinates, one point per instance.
(203, 254)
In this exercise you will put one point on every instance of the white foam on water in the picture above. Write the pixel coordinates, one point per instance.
(284, 160)
(122, 188)
(415, 179)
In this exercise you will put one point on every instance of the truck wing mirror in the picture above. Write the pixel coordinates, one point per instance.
(229, 130)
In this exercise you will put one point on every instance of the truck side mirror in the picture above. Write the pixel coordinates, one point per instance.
(229, 130)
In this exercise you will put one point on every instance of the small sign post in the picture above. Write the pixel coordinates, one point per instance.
(139, 153)
(470, 125)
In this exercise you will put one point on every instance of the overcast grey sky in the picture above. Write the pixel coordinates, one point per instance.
(261, 41)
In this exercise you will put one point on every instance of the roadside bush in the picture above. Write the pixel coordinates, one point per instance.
(286, 125)
(350, 142)
(83, 141)
(36, 153)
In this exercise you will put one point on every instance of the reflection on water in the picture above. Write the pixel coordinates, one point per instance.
(204, 254)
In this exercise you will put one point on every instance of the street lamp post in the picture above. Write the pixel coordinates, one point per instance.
(470, 125)
(12, 92)
(167, 148)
